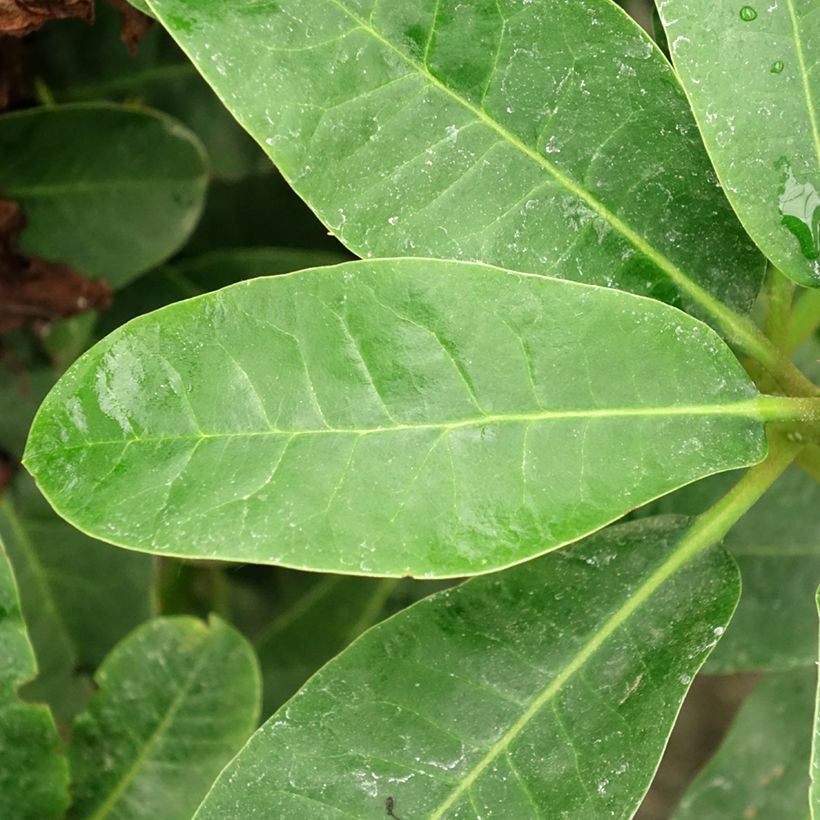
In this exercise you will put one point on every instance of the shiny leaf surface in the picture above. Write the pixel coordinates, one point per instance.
(760, 770)
(546, 690)
(33, 771)
(109, 190)
(755, 90)
(500, 132)
(358, 419)
(176, 701)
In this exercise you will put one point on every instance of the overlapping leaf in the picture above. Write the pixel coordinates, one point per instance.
(79, 596)
(501, 132)
(755, 90)
(546, 690)
(360, 419)
(108, 190)
(176, 701)
(33, 771)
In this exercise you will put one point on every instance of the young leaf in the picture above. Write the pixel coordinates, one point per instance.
(33, 771)
(760, 769)
(547, 690)
(755, 93)
(493, 131)
(177, 700)
(108, 190)
(79, 596)
(362, 419)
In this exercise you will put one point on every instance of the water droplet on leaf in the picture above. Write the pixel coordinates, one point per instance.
(747, 14)
(800, 209)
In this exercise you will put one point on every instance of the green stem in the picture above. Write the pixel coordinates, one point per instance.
(788, 408)
(804, 320)
(712, 525)
(779, 295)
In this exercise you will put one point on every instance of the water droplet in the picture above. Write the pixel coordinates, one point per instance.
(747, 14)
(777, 66)
(800, 208)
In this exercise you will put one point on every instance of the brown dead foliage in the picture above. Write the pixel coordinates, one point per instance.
(133, 26)
(21, 17)
(34, 291)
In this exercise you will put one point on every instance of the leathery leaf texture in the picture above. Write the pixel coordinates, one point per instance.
(177, 699)
(359, 419)
(545, 691)
(755, 90)
(33, 771)
(548, 136)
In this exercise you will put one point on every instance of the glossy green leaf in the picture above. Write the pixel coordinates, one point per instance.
(501, 132)
(755, 91)
(760, 770)
(359, 419)
(109, 190)
(200, 274)
(33, 770)
(547, 690)
(177, 699)
(313, 617)
(79, 596)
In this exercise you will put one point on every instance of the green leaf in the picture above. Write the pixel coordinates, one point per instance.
(760, 769)
(79, 596)
(547, 690)
(194, 276)
(108, 190)
(359, 419)
(755, 92)
(493, 131)
(177, 699)
(33, 770)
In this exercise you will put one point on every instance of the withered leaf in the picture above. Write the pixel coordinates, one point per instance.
(133, 24)
(21, 17)
(12, 85)
(34, 290)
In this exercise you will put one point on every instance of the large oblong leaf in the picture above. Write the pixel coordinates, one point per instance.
(177, 700)
(547, 136)
(110, 190)
(33, 771)
(548, 690)
(752, 73)
(389, 417)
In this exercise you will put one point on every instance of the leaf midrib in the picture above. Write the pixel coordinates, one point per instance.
(151, 741)
(749, 408)
(691, 288)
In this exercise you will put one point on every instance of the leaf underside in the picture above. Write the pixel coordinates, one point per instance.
(358, 419)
